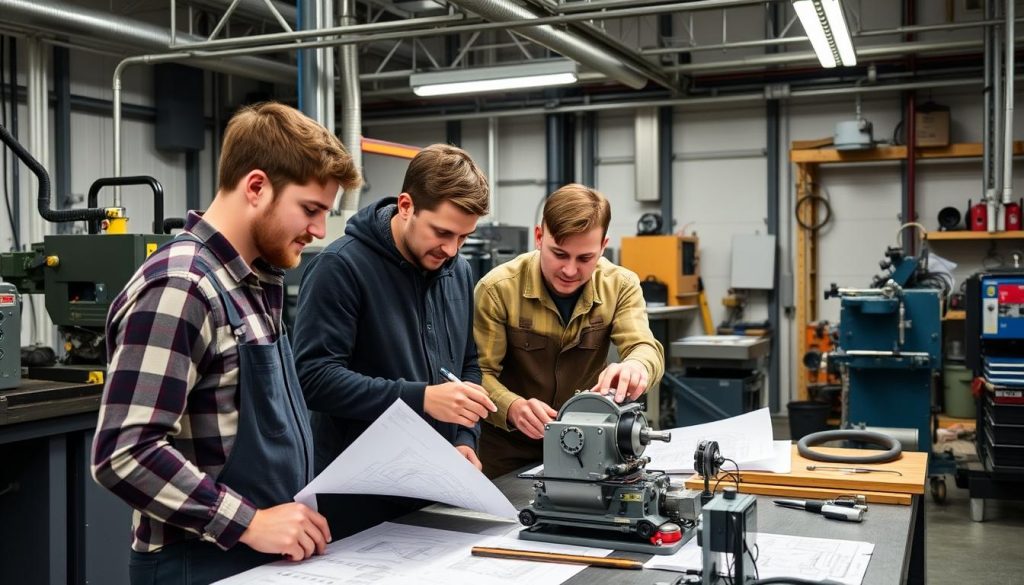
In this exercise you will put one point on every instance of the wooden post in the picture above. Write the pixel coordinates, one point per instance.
(806, 269)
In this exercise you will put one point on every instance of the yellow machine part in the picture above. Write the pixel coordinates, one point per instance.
(663, 258)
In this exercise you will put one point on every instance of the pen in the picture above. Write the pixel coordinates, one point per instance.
(529, 555)
(447, 375)
(827, 510)
(851, 469)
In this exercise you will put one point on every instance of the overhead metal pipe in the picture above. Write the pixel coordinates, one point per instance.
(678, 102)
(574, 7)
(64, 18)
(1008, 121)
(899, 30)
(351, 106)
(809, 56)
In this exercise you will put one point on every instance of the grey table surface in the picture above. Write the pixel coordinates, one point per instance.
(888, 527)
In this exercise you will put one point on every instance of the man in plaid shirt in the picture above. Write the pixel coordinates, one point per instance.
(202, 427)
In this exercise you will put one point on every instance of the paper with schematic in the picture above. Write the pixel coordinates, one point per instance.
(393, 554)
(401, 455)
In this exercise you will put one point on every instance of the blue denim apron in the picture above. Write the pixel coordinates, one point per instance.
(271, 460)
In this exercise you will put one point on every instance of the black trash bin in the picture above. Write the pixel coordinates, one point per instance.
(806, 417)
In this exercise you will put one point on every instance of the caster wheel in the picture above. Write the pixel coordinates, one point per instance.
(938, 487)
(527, 517)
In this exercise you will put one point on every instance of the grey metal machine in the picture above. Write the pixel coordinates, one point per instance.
(595, 489)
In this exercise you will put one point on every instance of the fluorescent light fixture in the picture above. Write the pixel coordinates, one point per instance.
(484, 79)
(825, 25)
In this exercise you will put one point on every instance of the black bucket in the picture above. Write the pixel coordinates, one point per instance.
(806, 417)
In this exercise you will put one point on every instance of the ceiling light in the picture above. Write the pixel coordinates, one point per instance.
(484, 79)
(825, 26)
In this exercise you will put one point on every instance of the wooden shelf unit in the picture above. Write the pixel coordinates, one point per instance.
(807, 161)
(966, 235)
(955, 315)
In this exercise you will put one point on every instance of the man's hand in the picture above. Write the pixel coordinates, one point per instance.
(530, 416)
(627, 380)
(292, 530)
(470, 454)
(461, 403)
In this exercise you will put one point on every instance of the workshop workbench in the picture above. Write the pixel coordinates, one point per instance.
(890, 528)
(59, 527)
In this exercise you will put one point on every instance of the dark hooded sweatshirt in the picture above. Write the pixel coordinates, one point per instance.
(371, 328)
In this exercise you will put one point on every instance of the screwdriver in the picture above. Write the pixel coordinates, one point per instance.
(827, 510)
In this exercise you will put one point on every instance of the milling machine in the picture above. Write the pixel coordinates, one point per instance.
(595, 489)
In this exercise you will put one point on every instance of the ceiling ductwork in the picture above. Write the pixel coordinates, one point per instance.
(140, 36)
(565, 43)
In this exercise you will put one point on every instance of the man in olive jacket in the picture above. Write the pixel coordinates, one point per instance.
(544, 323)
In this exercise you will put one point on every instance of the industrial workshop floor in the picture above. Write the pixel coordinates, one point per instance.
(961, 551)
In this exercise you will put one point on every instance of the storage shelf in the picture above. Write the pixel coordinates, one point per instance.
(962, 235)
(887, 153)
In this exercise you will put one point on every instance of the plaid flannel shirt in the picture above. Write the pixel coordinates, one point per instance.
(169, 412)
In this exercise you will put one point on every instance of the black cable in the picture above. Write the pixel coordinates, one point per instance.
(813, 198)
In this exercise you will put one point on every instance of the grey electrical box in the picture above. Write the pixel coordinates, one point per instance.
(10, 336)
(753, 262)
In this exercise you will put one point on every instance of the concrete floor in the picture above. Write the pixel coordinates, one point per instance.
(961, 551)
(958, 550)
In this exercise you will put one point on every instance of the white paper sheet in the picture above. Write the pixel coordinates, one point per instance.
(843, 561)
(393, 554)
(401, 455)
(746, 438)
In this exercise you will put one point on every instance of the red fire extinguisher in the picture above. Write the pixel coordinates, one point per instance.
(977, 216)
(1013, 215)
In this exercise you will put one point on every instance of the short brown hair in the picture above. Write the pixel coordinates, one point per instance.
(286, 145)
(441, 172)
(576, 209)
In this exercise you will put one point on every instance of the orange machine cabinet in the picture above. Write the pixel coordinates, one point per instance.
(670, 259)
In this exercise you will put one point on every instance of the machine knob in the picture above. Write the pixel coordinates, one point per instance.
(729, 493)
(647, 434)
(571, 439)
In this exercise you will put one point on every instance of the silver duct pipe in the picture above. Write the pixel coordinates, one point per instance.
(351, 106)
(986, 94)
(1008, 122)
(89, 23)
(492, 165)
(559, 41)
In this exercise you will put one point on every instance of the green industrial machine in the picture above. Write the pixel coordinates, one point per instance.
(81, 274)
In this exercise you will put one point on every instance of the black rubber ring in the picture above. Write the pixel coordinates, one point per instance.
(892, 445)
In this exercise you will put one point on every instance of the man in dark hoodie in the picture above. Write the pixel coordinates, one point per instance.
(381, 311)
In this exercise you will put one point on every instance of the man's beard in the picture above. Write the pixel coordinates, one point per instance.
(273, 243)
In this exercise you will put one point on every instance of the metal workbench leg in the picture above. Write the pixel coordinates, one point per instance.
(916, 572)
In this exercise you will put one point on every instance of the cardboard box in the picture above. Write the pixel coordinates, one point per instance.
(931, 125)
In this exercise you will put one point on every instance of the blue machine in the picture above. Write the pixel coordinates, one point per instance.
(890, 350)
(890, 344)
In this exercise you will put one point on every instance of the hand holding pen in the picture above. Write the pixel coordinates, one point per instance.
(826, 509)
(458, 402)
